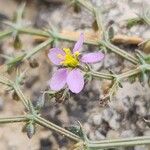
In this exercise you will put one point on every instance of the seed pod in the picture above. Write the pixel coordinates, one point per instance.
(60, 96)
(15, 96)
(33, 63)
(111, 32)
(146, 48)
(76, 8)
(17, 43)
(30, 129)
(95, 26)
(106, 85)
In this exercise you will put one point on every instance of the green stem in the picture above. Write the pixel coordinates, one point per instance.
(9, 83)
(86, 4)
(21, 95)
(5, 33)
(120, 140)
(98, 17)
(38, 119)
(119, 143)
(108, 45)
(145, 16)
(13, 119)
(19, 14)
(129, 73)
(134, 71)
(90, 7)
(5, 81)
(56, 128)
(38, 48)
(119, 76)
(120, 52)
(33, 31)
(99, 75)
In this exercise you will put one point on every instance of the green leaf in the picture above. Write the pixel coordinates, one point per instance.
(134, 21)
(110, 32)
(30, 129)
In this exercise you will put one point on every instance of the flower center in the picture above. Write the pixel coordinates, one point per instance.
(69, 60)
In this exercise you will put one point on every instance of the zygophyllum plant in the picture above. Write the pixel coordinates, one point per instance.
(73, 69)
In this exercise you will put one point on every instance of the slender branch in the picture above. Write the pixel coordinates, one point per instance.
(13, 119)
(60, 36)
(120, 142)
(98, 17)
(146, 15)
(21, 95)
(5, 81)
(38, 119)
(86, 4)
(101, 75)
(13, 85)
(120, 52)
(56, 128)
(5, 33)
(129, 73)
(121, 76)
(33, 31)
(72, 39)
(107, 44)
(38, 48)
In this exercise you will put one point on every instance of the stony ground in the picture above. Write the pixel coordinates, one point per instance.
(124, 115)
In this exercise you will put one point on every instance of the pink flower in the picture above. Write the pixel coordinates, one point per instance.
(70, 74)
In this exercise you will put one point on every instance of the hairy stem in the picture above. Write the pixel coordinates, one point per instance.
(45, 123)
(59, 36)
(120, 52)
(13, 119)
(5, 33)
(120, 142)
(38, 48)
(21, 95)
(37, 118)
(5, 81)
(99, 75)
(86, 4)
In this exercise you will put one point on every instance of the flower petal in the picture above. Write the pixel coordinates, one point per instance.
(75, 81)
(92, 57)
(53, 55)
(79, 43)
(58, 80)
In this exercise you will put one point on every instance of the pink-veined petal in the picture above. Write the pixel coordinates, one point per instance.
(75, 81)
(92, 57)
(58, 80)
(53, 55)
(79, 43)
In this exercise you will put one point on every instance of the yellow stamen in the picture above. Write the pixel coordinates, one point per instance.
(76, 54)
(69, 60)
(67, 51)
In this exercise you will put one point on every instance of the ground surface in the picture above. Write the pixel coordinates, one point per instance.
(124, 115)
